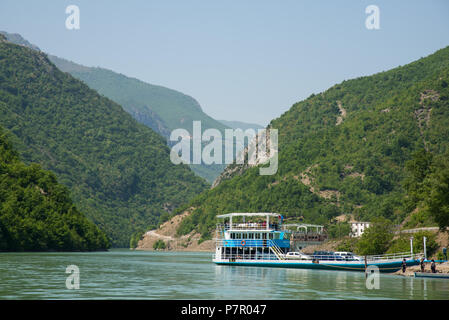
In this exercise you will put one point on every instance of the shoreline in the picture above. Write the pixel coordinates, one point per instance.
(441, 268)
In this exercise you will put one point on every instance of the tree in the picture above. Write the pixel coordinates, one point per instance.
(377, 238)
(339, 230)
(159, 245)
(418, 170)
(135, 238)
(438, 199)
(402, 243)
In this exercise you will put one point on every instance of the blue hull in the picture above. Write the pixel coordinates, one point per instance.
(383, 266)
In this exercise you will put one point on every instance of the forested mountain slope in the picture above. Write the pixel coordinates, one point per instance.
(118, 171)
(343, 150)
(36, 213)
(159, 108)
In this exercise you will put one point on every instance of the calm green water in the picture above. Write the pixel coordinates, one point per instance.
(125, 274)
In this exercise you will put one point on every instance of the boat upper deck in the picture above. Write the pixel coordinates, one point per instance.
(262, 222)
(249, 226)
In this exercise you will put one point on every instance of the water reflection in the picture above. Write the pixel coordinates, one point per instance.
(321, 284)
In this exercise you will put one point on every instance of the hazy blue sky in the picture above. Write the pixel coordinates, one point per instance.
(242, 60)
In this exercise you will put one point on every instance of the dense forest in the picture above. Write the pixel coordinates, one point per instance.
(118, 171)
(36, 212)
(344, 151)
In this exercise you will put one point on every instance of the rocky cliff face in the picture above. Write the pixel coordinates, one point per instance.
(251, 155)
(229, 172)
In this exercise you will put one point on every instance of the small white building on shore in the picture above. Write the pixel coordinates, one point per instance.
(357, 228)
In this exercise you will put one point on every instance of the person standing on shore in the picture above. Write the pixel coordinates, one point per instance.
(422, 264)
(404, 265)
(433, 267)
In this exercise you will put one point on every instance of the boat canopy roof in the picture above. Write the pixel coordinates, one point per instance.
(249, 214)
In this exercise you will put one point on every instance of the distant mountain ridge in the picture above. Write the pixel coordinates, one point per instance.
(241, 125)
(18, 39)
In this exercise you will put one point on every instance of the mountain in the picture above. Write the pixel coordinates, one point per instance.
(342, 151)
(159, 108)
(18, 39)
(117, 170)
(162, 109)
(241, 125)
(36, 212)
(174, 108)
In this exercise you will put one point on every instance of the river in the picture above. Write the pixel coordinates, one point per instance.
(126, 274)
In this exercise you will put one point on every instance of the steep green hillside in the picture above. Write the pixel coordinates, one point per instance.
(157, 107)
(118, 171)
(176, 109)
(121, 89)
(36, 213)
(344, 150)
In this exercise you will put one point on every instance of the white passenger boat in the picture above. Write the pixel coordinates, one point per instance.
(264, 242)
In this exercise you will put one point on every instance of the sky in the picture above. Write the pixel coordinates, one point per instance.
(245, 60)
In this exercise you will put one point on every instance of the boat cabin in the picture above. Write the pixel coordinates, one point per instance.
(252, 236)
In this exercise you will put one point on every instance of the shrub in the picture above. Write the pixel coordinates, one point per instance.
(159, 245)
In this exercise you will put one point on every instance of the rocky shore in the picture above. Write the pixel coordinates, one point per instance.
(167, 233)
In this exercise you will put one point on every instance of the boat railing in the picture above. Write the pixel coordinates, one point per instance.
(254, 243)
(306, 237)
(246, 256)
(248, 226)
(330, 257)
(395, 256)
